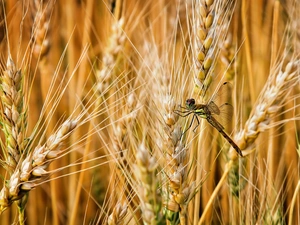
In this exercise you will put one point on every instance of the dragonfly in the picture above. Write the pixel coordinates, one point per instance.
(207, 111)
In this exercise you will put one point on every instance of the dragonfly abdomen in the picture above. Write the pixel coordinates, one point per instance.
(220, 128)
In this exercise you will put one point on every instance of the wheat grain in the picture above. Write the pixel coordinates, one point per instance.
(118, 214)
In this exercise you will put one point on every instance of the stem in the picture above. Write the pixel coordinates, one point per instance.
(74, 211)
(21, 208)
(248, 49)
(293, 203)
(214, 194)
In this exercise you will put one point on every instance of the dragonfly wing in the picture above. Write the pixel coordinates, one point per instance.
(215, 123)
(222, 114)
(213, 108)
(226, 114)
(222, 93)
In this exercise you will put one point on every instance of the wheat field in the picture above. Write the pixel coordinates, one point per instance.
(97, 120)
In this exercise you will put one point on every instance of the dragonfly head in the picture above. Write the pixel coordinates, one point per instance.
(190, 103)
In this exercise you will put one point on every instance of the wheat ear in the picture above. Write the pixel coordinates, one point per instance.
(275, 92)
(14, 123)
(14, 115)
(209, 14)
(205, 38)
(41, 25)
(32, 169)
(179, 189)
(115, 45)
(228, 57)
(269, 103)
(145, 171)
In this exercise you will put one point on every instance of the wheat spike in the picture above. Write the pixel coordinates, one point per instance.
(41, 28)
(32, 169)
(275, 92)
(14, 115)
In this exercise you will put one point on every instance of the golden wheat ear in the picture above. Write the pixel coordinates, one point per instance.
(14, 114)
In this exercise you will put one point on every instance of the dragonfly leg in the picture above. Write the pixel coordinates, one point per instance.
(189, 126)
(182, 113)
(198, 123)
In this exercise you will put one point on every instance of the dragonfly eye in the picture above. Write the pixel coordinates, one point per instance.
(190, 103)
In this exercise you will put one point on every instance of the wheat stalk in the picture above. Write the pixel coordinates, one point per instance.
(25, 166)
(271, 99)
(29, 163)
(170, 151)
(122, 116)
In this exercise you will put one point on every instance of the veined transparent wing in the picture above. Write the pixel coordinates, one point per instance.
(213, 108)
(222, 95)
(219, 105)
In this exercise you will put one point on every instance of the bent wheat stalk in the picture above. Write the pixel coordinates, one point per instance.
(271, 99)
